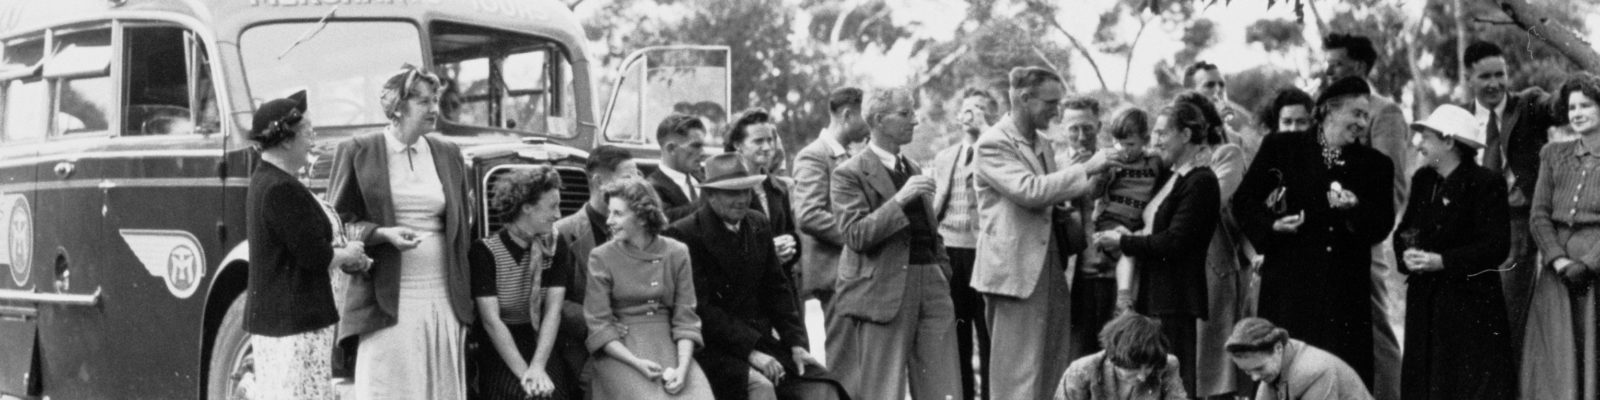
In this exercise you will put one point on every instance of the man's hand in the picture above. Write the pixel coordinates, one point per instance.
(785, 246)
(805, 362)
(915, 187)
(769, 367)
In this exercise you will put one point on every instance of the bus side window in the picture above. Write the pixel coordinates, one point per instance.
(22, 92)
(164, 68)
(80, 70)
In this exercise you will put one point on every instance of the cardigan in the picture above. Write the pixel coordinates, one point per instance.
(1172, 260)
(291, 245)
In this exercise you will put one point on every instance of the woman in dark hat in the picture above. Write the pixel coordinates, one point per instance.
(1314, 203)
(405, 195)
(295, 240)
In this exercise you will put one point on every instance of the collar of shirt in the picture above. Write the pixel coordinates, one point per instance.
(834, 146)
(733, 227)
(677, 178)
(889, 159)
(1482, 112)
(395, 147)
(1582, 150)
(1182, 170)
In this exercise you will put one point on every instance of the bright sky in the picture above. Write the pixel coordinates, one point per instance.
(940, 19)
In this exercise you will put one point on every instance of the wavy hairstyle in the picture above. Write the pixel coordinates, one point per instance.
(522, 186)
(1285, 98)
(399, 88)
(1581, 82)
(642, 200)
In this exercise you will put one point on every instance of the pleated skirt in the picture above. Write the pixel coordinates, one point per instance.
(422, 355)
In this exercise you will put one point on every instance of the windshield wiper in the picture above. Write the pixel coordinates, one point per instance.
(322, 23)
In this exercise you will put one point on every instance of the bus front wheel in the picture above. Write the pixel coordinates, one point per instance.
(232, 368)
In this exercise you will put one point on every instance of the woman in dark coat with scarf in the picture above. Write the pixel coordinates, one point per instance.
(1314, 203)
(1170, 257)
(1455, 229)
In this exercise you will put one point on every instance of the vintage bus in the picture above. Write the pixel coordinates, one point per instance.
(123, 165)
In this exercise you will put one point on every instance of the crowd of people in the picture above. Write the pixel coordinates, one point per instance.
(1174, 261)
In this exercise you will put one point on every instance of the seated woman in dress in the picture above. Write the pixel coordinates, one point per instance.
(519, 278)
(1134, 365)
(640, 304)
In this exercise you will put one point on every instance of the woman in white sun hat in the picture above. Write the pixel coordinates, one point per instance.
(1455, 231)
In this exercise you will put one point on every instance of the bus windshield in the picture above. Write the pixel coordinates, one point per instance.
(494, 78)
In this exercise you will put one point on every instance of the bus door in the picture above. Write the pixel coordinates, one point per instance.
(656, 82)
(78, 106)
(145, 201)
(23, 125)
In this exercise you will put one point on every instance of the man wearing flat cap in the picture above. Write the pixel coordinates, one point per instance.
(893, 321)
(744, 294)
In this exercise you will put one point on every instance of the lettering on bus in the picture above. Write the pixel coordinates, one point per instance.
(174, 256)
(300, 3)
(519, 9)
(16, 217)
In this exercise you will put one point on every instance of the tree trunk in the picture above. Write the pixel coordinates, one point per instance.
(1562, 38)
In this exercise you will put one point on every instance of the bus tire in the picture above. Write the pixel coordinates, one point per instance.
(230, 363)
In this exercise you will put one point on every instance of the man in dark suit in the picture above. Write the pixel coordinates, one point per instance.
(754, 136)
(1516, 126)
(893, 322)
(820, 241)
(676, 180)
(744, 295)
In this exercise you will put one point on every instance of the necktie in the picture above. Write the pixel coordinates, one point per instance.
(1492, 155)
(969, 157)
(410, 151)
(688, 188)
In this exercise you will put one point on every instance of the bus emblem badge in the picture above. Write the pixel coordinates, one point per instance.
(175, 256)
(17, 229)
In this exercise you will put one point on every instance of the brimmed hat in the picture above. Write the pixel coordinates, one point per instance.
(1454, 122)
(727, 171)
(284, 112)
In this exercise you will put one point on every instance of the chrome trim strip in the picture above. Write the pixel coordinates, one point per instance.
(64, 299)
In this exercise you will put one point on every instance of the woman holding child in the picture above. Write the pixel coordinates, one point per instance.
(1170, 253)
